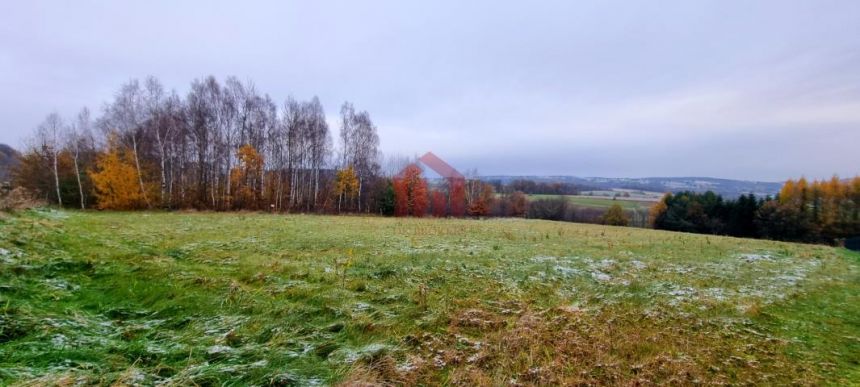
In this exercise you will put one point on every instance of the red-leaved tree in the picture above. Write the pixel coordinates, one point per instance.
(438, 203)
(410, 192)
(457, 197)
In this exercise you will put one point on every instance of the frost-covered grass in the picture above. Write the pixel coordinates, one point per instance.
(204, 298)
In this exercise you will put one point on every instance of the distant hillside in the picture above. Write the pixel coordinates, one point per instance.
(9, 158)
(726, 187)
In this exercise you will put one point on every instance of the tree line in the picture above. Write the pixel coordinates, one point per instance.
(821, 211)
(222, 146)
(226, 146)
(532, 187)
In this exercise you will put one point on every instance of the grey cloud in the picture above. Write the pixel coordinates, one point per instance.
(736, 89)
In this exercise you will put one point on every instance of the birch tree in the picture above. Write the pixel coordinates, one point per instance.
(48, 137)
(359, 145)
(125, 116)
(78, 140)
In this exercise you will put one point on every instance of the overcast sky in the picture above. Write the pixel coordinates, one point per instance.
(738, 89)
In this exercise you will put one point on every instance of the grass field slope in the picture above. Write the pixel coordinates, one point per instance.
(600, 202)
(241, 298)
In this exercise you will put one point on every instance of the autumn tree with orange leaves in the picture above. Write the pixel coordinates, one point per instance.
(116, 181)
(246, 178)
(479, 198)
(410, 192)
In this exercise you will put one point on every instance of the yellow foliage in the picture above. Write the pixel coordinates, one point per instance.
(657, 210)
(615, 216)
(246, 177)
(787, 192)
(115, 181)
(346, 182)
(830, 204)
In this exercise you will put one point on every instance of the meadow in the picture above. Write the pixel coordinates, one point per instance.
(600, 202)
(100, 298)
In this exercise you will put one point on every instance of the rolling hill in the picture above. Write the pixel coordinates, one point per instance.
(726, 187)
(9, 158)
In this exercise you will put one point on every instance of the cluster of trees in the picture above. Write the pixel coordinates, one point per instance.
(820, 211)
(707, 213)
(456, 197)
(220, 147)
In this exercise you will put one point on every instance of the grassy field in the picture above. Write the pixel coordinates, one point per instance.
(237, 299)
(600, 202)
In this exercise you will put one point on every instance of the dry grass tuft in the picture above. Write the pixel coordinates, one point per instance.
(65, 379)
(380, 371)
(19, 199)
(476, 318)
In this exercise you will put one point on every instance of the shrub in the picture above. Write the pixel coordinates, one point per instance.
(615, 216)
(18, 198)
(549, 209)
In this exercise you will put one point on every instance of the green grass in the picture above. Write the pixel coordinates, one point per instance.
(599, 202)
(240, 298)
